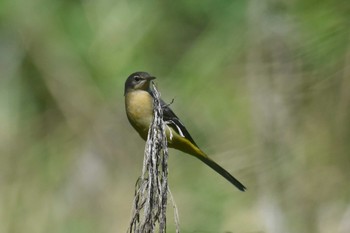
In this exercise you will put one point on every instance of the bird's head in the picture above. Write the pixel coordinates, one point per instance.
(138, 81)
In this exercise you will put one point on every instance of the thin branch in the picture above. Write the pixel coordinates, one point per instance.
(152, 187)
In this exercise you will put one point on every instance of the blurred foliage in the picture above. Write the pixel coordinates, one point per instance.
(263, 86)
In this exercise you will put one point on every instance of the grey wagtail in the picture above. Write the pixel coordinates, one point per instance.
(139, 110)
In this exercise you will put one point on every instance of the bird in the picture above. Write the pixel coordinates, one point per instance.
(139, 110)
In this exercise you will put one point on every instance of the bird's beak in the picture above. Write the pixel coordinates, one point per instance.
(150, 78)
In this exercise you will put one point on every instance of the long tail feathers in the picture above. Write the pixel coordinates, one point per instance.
(188, 146)
(222, 172)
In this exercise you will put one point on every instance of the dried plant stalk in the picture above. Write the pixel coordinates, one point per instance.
(150, 202)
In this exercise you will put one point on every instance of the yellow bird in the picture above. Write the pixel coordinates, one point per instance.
(139, 110)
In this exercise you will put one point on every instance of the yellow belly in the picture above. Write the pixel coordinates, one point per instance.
(139, 110)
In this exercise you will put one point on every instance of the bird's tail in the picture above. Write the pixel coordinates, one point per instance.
(191, 148)
(221, 171)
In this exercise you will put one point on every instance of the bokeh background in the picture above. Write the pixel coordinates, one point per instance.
(262, 85)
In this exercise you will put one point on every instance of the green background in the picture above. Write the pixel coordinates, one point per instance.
(262, 85)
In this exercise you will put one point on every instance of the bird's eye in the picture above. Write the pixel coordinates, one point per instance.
(137, 78)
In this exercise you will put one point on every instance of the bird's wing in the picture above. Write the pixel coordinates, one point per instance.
(173, 121)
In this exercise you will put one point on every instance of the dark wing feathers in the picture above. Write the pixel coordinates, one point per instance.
(173, 121)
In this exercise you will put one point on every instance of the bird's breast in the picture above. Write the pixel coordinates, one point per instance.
(139, 110)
